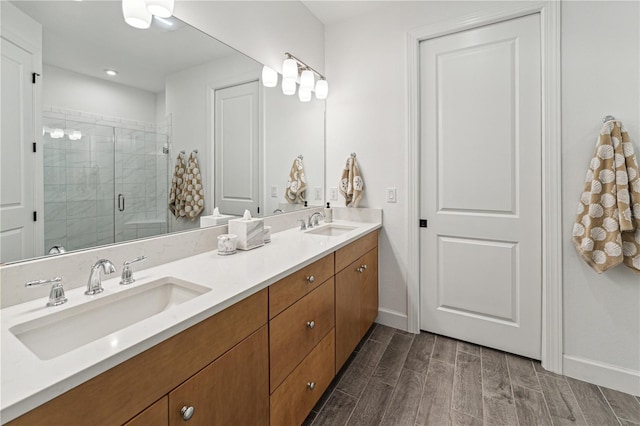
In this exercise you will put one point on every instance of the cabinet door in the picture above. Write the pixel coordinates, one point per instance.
(232, 390)
(347, 312)
(368, 291)
(155, 415)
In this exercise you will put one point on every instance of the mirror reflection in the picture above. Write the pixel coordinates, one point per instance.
(120, 106)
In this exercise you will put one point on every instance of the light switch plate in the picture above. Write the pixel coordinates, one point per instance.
(274, 191)
(391, 195)
(333, 194)
(318, 192)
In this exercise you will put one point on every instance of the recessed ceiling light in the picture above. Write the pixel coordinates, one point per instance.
(112, 73)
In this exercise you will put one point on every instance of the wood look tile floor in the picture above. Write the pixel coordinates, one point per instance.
(398, 378)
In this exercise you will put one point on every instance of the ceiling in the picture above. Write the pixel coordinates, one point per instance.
(90, 36)
(333, 11)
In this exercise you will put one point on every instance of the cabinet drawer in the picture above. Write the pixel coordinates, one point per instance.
(297, 330)
(157, 414)
(353, 251)
(289, 289)
(293, 401)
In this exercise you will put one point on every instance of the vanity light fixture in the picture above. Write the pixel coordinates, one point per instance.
(136, 14)
(111, 72)
(290, 72)
(161, 8)
(269, 77)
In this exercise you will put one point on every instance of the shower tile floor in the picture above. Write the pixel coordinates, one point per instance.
(398, 378)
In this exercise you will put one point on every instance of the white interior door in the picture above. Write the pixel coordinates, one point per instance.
(237, 149)
(480, 257)
(17, 160)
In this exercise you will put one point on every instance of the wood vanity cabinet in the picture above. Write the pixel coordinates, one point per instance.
(264, 360)
(356, 294)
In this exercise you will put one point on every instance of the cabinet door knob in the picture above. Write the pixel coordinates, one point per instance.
(186, 412)
(311, 324)
(359, 269)
(364, 266)
(311, 279)
(311, 385)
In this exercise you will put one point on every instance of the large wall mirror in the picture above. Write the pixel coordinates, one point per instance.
(112, 139)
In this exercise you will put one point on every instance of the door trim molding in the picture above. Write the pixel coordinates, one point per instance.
(551, 164)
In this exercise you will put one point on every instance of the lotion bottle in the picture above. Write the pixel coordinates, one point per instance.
(328, 214)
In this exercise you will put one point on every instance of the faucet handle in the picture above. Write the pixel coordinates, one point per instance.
(56, 295)
(127, 272)
(303, 224)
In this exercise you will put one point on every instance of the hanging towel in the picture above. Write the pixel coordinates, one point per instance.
(192, 193)
(351, 183)
(607, 228)
(297, 183)
(175, 200)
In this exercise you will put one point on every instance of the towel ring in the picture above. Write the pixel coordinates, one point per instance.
(608, 118)
(353, 154)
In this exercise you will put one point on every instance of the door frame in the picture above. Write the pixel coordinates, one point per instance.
(551, 344)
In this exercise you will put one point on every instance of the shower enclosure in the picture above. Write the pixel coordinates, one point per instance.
(102, 183)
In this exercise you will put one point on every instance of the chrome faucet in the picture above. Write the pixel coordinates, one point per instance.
(94, 285)
(313, 219)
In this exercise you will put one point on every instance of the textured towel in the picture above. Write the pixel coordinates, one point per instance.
(297, 184)
(351, 183)
(175, 200)
(607, 228)
(192, 192)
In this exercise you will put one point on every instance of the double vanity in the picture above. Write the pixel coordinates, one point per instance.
(249, 339)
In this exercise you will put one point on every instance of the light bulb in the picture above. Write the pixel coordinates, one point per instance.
(75, 135)
(269, 77)
(290, 69)
(136, 14)
(322, 89)
(161, 8)
(307, 80)
(57, 134)
(288, 86)
(304, 94)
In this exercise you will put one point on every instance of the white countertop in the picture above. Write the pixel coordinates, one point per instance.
(27, 382)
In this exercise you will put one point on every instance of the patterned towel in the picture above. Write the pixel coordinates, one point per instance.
(607, 228)
(176, 205)
(351, 183)
(192, 192)
(297, 184)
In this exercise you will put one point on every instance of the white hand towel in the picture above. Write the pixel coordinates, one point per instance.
(175, 200)
(351, 183)
(297, 184)
(607, 228)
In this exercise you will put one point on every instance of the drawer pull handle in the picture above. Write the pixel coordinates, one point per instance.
(364, 266)
(187, 412)
(360, 270)
(311, 385)
(311, 279)
(311, 324)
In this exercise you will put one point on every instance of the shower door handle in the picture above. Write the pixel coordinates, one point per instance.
(121, 202)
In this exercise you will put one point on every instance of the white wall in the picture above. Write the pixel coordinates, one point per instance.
(367, 113)
(264, 30)
(188, 95)
(601, 72)
(67, 89)
(292, 128)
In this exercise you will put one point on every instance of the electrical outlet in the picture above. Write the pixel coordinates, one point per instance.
(333, 194)
(318, 192)
(391, 195)
(274, 191)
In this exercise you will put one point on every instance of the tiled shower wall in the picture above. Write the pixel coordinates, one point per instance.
(84, 177)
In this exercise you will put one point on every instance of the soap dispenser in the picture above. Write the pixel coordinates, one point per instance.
(328, 214)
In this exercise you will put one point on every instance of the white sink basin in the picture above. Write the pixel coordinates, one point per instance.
(331, 229)
(63, 331)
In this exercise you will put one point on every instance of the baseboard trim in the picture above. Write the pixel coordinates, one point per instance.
(602, 374)
(391, 318)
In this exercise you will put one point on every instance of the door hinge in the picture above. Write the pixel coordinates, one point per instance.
(34, 147)
(35, 216)
(258, 209)
(34, 75)
(423, 223)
